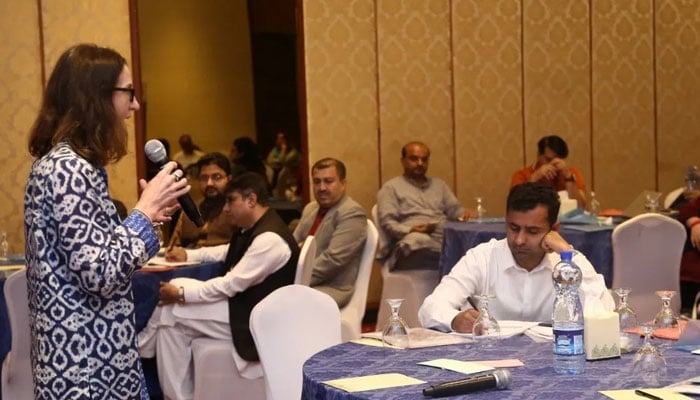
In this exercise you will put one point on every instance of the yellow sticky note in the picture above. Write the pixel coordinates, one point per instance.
(465, 367)
(373, 382)
(628, 394)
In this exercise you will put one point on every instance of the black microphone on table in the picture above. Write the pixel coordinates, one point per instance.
(155, 151)
(499, 379)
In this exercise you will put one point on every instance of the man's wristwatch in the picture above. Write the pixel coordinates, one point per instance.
(181, 294)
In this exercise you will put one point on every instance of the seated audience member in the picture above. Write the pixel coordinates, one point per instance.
(245, 157)
(339, 227)
(261, 257)
(214, 173)
(284, 159)
(190, 153)
(551, 169)
(689, 215)
(412, 208)
(517, 269)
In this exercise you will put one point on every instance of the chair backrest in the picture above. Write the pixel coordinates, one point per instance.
(17, 381)
(351, 315)
(383, 238)
(305, 266)
(290, 325)
(647, 251)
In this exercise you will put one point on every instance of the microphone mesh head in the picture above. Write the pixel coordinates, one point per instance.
(155, 151)
(503, 378)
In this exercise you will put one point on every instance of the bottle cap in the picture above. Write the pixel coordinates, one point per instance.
(566, 255)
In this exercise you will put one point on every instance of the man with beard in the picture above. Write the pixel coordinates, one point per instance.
(516, 270)
(214, 173)
(411, 210)
(339, 226)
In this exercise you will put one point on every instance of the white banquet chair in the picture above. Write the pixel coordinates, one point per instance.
(411, 285)
(647, 252)
(290, 325)
(17, 383)
(351, 314)
(305, 265)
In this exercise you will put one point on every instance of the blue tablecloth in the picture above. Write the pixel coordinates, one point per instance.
(458, 237)
(145, 288)
(535, 380)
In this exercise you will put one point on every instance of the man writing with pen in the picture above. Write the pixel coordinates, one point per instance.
(516, 271)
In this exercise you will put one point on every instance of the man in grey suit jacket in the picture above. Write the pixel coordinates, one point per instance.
(339, 226)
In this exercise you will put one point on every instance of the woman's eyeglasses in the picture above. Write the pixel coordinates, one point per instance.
(131, 91)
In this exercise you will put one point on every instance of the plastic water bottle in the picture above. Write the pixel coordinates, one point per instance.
(4, 246)
(595, 205)
(567, 317)
(691, 178)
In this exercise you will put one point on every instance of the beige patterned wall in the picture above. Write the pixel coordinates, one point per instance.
(556, 77)
(341, 90)
(623, 99)
(482, 80)
(20, 94)
(678, 88)
(487, 99)
(415, 93)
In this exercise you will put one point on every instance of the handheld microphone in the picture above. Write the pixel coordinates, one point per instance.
(499, 379)
(155, 151)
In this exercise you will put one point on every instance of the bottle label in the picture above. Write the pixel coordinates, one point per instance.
(568, 342)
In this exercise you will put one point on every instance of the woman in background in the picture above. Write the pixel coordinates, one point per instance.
(80, 256)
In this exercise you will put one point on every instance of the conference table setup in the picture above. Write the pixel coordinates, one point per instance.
(534, 379)
(593, 240)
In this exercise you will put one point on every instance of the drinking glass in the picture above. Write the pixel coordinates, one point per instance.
(628, 321)
(652, 202)
(485, 331)
(649, 365)
(480, 210)
(4, 246)
(395, 333)
(666, 320)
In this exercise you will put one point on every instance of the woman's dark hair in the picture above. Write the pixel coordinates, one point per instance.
(77, 106)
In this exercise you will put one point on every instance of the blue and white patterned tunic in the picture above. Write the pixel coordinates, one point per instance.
(80, 260)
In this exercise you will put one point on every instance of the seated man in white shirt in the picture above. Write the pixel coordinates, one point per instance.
(261, 257)
(516, 270)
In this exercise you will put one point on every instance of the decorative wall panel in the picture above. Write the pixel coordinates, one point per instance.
(623, 100)
(557, 77)
(415, 92)
(678, 89)
(341, 90)
(20, 96)
(487, 99)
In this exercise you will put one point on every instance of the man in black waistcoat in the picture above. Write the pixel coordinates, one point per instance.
(260, 258)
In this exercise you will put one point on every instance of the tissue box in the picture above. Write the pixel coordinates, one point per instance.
(601, 335)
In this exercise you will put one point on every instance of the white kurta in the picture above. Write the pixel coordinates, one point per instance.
(205, 313)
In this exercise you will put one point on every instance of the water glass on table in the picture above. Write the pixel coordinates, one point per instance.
(395, 332)
(486, 332)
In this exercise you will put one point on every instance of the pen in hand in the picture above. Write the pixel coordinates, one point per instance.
(648, 395)
(472, 303)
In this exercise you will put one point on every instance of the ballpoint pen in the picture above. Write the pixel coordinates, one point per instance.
(648, 395)
(472, 303)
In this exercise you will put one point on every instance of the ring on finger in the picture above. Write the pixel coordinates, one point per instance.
(177, 175)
